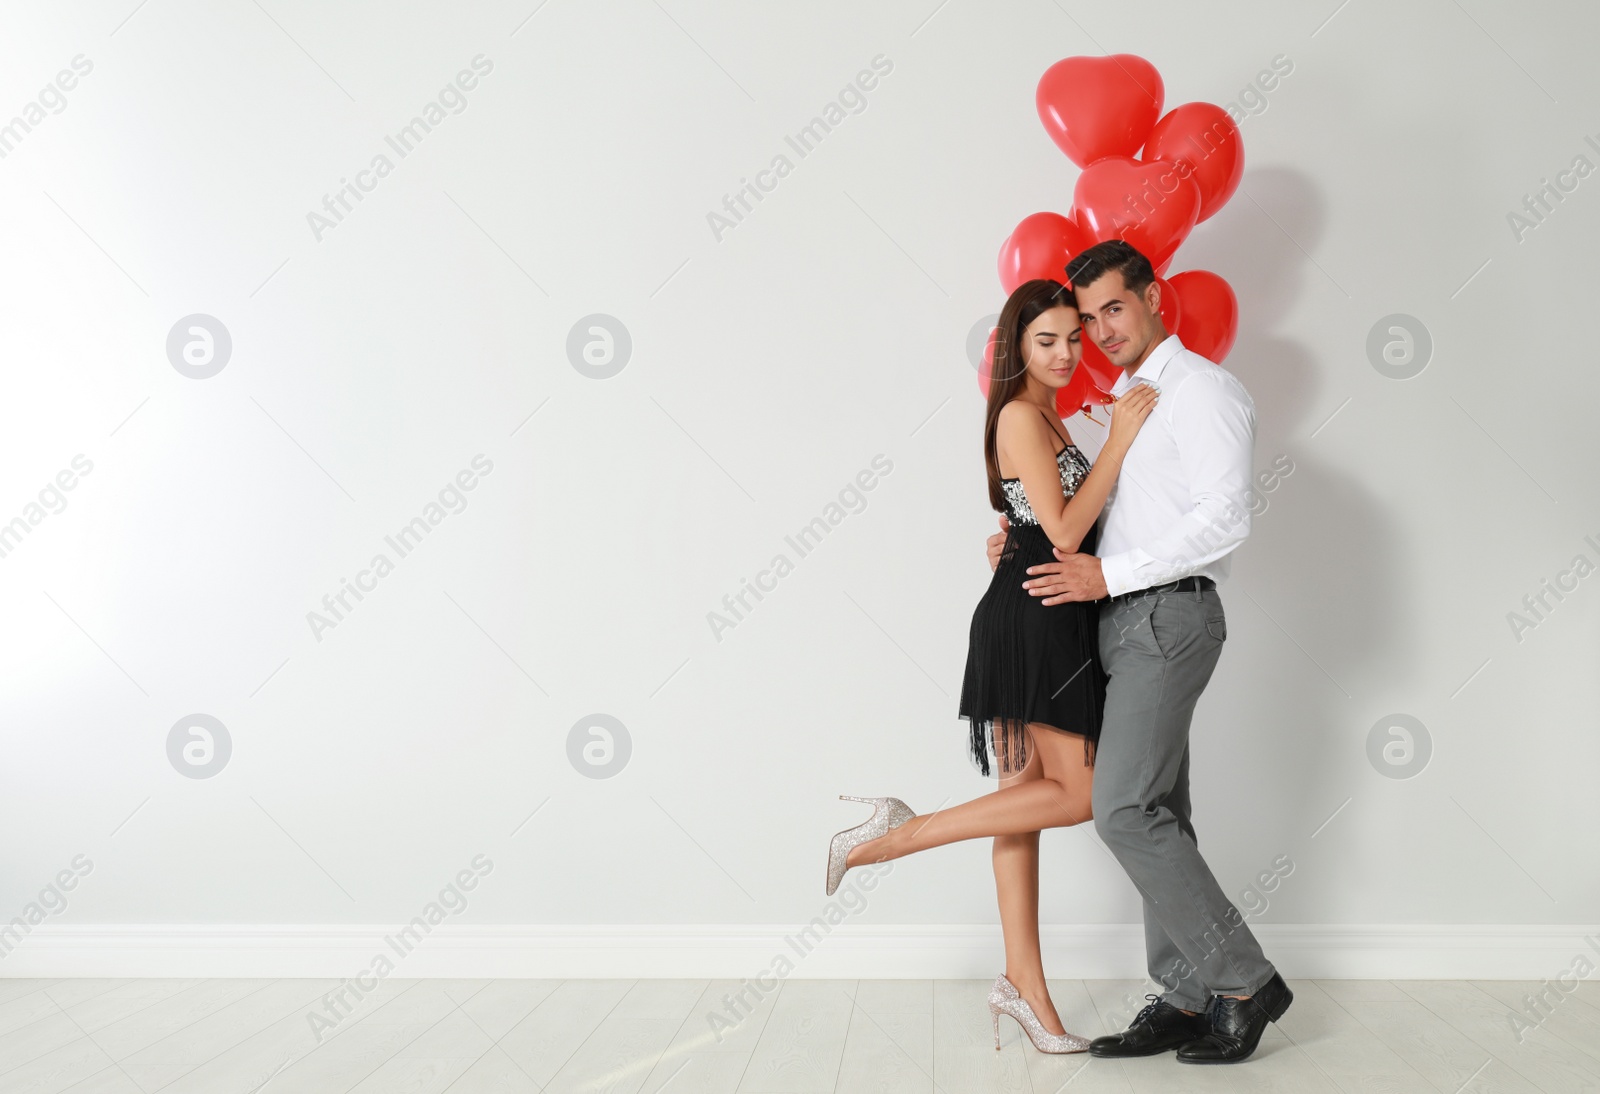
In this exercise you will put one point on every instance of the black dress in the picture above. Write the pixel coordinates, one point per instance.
(1028, 662)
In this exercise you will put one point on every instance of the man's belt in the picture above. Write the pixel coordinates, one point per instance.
(1182, 585)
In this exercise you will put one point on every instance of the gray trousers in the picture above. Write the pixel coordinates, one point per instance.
(1159, 648)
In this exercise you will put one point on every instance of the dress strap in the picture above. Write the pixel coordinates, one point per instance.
(1054, 428)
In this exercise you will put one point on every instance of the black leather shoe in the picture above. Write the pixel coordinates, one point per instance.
(1155, 1029)
(1237, 1024)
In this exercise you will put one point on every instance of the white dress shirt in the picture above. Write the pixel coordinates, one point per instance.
(1181, 503)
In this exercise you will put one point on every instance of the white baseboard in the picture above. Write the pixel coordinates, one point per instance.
(734, 952)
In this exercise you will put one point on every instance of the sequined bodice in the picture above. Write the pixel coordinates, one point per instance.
(1074, 467)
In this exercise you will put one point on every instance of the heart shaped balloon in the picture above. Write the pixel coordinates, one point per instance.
(1151, 205)
(1202, 139)
(1098, 366)
(1210, 319)
(1079, 238)
(1171, 306)
(1080, 393)
(1094, 107)
(1039, 247)
(987, 367)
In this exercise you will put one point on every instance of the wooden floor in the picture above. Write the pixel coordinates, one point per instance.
(468, 1037)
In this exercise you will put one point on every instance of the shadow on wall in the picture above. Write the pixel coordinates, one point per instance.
(1319, 571)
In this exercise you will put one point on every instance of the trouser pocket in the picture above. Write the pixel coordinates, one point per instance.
(1181, 623)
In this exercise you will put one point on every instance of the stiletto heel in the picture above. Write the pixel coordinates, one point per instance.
(887, 813)
(1004, 998)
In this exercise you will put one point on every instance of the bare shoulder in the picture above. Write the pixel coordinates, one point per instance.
(1019, 429)
(1021, 419)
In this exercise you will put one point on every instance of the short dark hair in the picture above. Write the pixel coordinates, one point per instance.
(1095, 262)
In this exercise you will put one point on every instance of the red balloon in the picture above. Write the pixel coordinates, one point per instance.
(1094, 107)
(1203, 141)
(1151, 205)
(1210, 319)
(1171, 306)
(1080, 392)
(1098, 365)
(1039, 246)
(988, 362)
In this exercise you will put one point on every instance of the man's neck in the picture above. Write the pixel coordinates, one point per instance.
(1161, 337)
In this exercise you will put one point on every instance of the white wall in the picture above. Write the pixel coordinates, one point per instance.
(372, 762)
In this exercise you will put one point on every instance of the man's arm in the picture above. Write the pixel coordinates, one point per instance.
(1214, 427)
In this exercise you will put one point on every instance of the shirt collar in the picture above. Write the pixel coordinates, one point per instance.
(1153, 365)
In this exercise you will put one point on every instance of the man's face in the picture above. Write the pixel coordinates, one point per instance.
(1123, 324)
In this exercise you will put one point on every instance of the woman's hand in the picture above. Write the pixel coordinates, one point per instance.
(1128, 414)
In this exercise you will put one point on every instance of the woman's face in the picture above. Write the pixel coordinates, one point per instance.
(1052, 346)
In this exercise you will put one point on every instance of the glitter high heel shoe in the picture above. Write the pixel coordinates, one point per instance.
(887, 813)
(1004, 998)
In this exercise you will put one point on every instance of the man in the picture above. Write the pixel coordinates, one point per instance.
(1177, 511)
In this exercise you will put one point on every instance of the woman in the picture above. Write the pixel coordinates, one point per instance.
(1034, 687)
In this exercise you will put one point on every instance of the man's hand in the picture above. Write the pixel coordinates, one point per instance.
(1074, 577)
(998, 541)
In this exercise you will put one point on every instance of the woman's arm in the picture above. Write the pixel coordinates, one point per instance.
(1029, 444)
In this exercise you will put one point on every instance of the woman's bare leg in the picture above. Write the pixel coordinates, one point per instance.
(1054, 757)
(1052, 790)
(1016, 887)
(1058, 799)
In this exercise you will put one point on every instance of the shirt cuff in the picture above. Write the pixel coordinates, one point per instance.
(1118, 572)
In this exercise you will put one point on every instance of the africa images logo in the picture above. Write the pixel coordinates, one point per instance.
(452, 98)
(852, 99)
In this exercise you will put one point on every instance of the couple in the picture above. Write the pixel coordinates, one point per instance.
(1090, 648)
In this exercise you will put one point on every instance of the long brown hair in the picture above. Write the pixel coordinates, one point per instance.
(1030, 300)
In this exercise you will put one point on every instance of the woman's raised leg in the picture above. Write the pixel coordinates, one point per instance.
(1059, 798)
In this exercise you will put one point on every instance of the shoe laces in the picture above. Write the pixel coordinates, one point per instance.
(1149, 1010)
